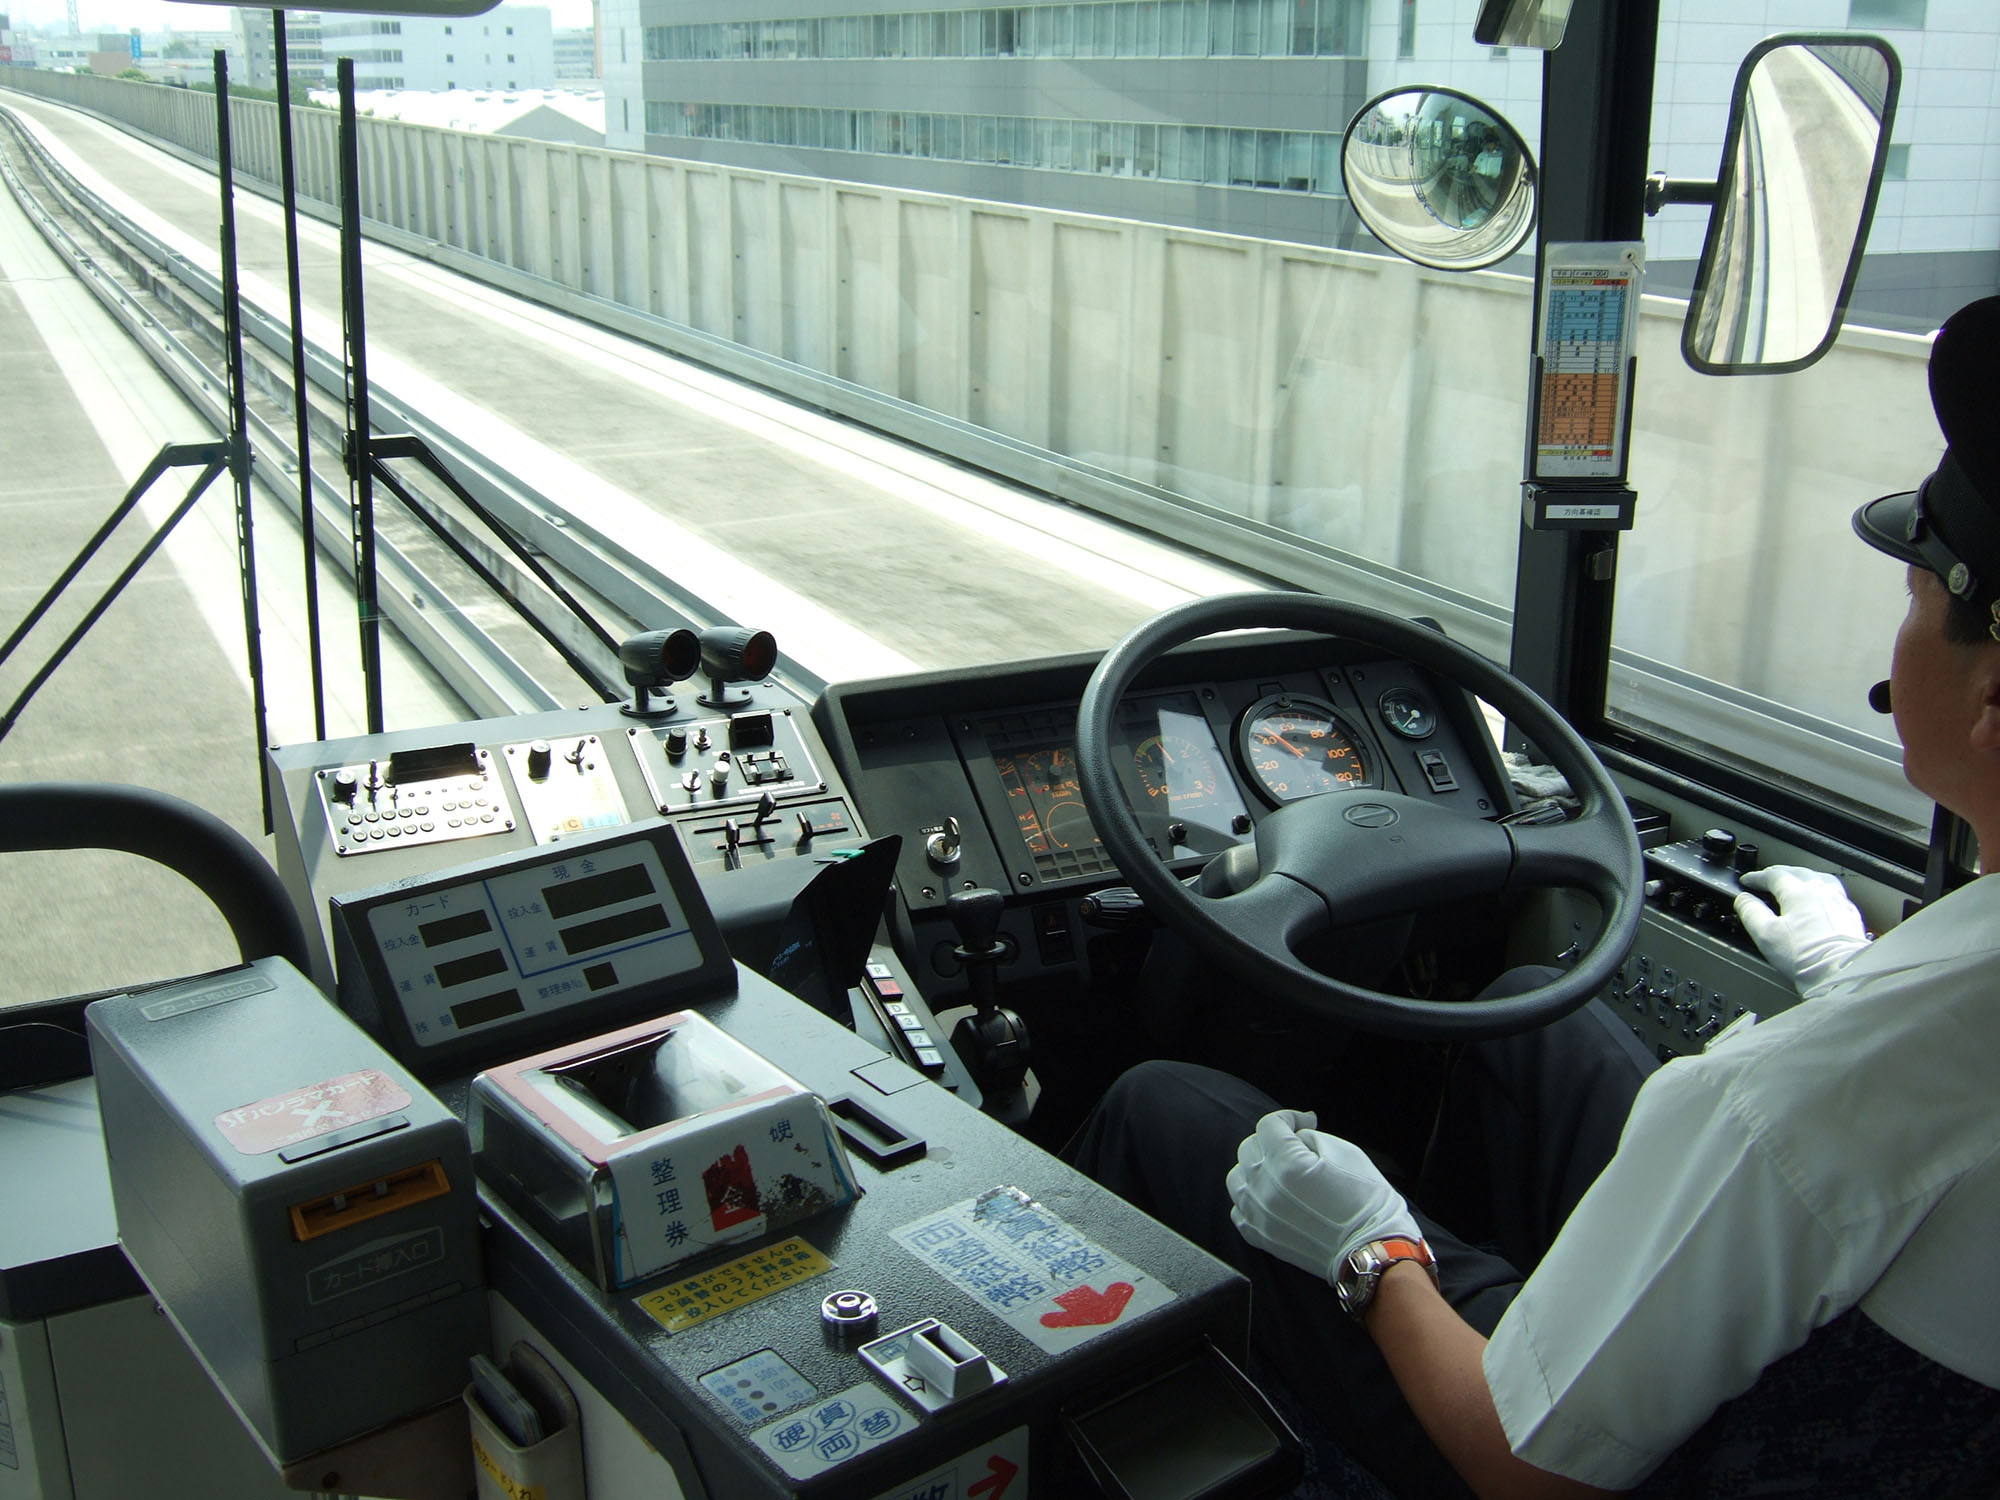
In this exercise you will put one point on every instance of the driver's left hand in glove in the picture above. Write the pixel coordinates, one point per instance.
(1311, 1198)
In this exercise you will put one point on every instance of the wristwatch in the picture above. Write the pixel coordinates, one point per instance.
(1362, 1271)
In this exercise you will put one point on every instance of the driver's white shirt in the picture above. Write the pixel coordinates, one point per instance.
(1845, 1151)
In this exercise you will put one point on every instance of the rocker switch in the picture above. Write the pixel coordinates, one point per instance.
(1437, 771)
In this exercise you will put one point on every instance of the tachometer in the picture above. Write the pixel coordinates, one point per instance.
(1176, 772)
(1297, 747)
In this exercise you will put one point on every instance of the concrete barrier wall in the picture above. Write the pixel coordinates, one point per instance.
(1354, 400)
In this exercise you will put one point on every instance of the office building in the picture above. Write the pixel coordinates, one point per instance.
(512, 47)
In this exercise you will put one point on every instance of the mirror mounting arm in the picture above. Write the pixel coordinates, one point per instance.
(1662, 190)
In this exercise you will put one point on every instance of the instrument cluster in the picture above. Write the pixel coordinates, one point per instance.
(978, 769)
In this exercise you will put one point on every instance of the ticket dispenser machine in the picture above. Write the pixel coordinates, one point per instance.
(302, 1209)
(792, 1263)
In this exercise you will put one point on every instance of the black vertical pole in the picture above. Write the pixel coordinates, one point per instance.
(239, 423)
(1597, 91)
(288, 178)
(360, 474)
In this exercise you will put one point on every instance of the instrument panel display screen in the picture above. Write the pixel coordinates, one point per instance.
(1175, 775)
(1048, 804)
(1034, 757)
(1180, 767)
(531, 941)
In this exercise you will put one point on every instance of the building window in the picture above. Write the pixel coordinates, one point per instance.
(1287, 161)
(1091, 28)
(510, 57)
(1406, 29)
(449, 58)
(1896, 165)
(1901, 15)
(510, 31)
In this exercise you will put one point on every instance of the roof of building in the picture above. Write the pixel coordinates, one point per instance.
(558, 112)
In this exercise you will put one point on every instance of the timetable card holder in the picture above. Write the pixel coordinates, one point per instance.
(551, 1469)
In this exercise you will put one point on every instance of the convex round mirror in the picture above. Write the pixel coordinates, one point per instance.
(1440, 178)
(1801, 167)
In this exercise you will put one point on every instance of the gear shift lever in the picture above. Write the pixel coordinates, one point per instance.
(993, 1042)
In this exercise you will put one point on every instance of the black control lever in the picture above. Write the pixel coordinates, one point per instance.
(993, 1042)
(975, 917)
(1115, 906)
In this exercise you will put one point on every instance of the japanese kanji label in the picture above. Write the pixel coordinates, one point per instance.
(1031, 1270)
(737, 1283)
(842, 1427)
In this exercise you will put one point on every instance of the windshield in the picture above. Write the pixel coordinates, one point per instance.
(1115, 235)
(1063, 312)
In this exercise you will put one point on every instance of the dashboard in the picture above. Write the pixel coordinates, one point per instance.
(976, 769)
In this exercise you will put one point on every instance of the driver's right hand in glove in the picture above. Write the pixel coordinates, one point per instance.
(1815, 930)
(1311, 1198)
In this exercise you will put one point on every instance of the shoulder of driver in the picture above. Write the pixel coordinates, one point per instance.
(1845, 1151)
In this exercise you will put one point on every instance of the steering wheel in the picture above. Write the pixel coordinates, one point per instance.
(1342, 858)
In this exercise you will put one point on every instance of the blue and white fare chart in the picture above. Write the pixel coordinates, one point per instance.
(1589, 327)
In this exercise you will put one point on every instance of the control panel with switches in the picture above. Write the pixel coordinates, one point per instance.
(1682, 985)
(1693, 971)
(1697, 880)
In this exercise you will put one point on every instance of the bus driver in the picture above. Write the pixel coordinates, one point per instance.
(1768, 1268)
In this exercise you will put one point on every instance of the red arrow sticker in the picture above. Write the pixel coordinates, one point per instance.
(1086, 1307)
(1000, 1473)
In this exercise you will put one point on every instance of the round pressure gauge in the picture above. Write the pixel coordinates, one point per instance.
(1408, 713)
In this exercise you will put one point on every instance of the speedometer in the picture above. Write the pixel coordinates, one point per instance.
(1297, 747)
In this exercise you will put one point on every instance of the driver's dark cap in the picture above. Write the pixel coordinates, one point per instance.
(1950, 523)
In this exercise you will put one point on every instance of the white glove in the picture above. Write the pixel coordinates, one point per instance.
(1815, 930)
(1310, 1198)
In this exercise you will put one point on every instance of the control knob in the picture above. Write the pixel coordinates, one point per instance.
(538, 760)
(718, 774)
(1718, 846)
(345, 785)
(677, 743)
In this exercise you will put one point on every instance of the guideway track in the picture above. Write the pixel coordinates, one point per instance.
(173, 309)
(720, 500)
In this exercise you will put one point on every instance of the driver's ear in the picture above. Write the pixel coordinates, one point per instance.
(1986, 724)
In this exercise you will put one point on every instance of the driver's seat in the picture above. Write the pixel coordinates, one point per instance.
(1851, 1414)
(46, 1042)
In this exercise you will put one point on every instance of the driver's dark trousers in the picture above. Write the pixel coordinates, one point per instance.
(1533, 1119)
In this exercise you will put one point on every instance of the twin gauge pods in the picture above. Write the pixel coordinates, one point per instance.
(1295, 746)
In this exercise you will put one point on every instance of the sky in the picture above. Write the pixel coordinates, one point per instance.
(157, 15)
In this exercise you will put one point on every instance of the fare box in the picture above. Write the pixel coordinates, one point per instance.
(669, 1138)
